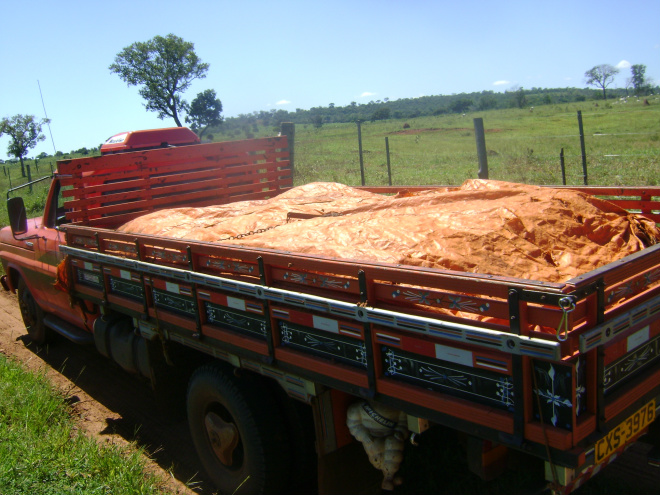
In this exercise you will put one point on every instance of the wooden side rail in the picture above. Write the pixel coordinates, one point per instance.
(105, 191)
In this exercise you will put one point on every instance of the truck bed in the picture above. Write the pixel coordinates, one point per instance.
(366, 328)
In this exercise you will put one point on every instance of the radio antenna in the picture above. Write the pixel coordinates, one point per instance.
(46, 114)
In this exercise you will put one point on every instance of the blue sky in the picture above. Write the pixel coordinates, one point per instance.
(301, 54)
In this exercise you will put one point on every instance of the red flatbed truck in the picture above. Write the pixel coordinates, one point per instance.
(270, 347)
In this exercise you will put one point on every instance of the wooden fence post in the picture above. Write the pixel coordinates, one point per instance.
(288, 129)
(389, 168)
(359, 126)
(583, 148)
(480, 137)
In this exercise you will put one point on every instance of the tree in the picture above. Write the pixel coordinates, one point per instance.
(461, 105)
(520, 98)
(164, 67)
(638, 78)
(601, 76)
(204, 112)
(487, 101)
(382, 113)
(317, 121)
(25, 133)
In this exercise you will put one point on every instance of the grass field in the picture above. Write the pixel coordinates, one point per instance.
(43, 452)
(622, 143)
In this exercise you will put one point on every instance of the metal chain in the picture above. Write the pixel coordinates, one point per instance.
(261, 231)
(247, 234)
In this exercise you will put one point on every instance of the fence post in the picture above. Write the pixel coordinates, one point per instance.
(29, 175)
(563, 166)
(389, 168)
(359, 126)
(582, 148)
(288, 129)
(480, 137)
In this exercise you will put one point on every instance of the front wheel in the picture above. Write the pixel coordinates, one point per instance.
(238, 431)
(33, 315)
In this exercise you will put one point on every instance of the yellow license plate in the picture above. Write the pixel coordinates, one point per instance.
(627, 429)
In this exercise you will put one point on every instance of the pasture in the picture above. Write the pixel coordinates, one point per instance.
(622, 143)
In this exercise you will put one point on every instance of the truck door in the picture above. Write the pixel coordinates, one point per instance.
(49, 256)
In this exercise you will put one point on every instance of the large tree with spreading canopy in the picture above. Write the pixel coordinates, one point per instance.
(601, 76)
(164, 67)
(25, 133)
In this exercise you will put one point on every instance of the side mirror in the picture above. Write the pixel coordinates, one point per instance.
(17, 216)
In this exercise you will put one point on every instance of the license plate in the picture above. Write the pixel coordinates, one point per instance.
(624, 432)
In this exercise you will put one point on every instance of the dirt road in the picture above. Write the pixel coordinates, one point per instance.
(119, 408)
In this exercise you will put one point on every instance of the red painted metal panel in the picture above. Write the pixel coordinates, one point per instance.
(476, 413)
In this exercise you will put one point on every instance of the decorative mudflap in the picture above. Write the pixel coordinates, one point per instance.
(87, 273)
(643, 351)
(125, 283)
(333, 339)
(238, 320)
(560, 391)
(457, 377)
(173, 297)
(222, 266)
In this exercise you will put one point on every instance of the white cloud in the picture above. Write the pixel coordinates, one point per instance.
(366, 93)
(283, 102)
(624, 64)
(501, 83)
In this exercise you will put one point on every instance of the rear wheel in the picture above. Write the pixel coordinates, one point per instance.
(238, 431)
(33, 315)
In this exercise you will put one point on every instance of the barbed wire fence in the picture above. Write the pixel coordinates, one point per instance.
(615, 162)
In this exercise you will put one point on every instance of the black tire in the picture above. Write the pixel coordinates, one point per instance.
(33, 315)
(253, 457)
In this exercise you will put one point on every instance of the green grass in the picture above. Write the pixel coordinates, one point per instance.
(43, 452)
(622, 147)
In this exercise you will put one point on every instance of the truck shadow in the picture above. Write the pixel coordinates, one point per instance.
(436, 466)
(137, 418)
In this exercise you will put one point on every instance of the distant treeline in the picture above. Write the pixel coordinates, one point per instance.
(249, 125)
(408, 108)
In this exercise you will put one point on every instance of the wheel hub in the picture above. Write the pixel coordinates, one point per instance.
(223, 436)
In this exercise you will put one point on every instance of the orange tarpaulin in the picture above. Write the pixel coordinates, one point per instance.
(488, 227)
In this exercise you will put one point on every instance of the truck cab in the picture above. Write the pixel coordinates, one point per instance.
(149, 139)
(30, 247)
(31, 253)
